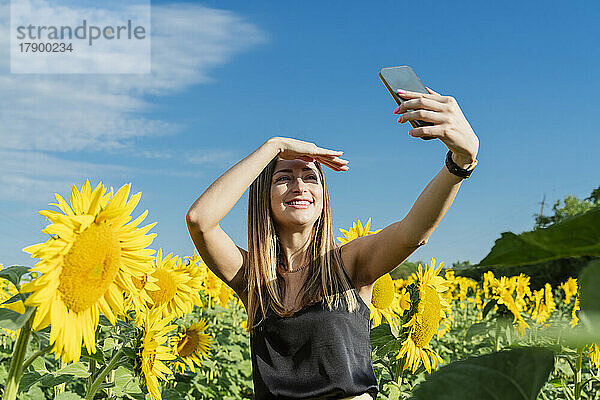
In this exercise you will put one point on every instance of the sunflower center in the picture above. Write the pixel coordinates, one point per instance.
(89, 267)
(140, 283)
(383, 292)
(428, 320)
(167, 286)
(188, 344)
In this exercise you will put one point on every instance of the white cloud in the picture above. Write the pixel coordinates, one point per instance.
(73, 112)
(200, 157)
(34, 175)
(77, 113)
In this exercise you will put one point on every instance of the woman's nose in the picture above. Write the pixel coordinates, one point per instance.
(300, 184)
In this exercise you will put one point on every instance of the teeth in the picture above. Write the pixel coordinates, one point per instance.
(302, 202)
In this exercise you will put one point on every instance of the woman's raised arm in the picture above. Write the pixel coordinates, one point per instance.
(376, 255)
(220, 197)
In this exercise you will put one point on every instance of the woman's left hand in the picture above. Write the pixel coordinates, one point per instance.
(449, 123)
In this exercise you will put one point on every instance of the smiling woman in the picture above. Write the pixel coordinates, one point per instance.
(316, 347)
(319, 346)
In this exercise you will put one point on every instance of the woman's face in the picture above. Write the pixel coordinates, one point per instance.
(295, 180)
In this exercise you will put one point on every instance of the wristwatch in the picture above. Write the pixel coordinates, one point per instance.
(456, 170)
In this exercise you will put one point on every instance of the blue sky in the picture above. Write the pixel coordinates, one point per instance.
(229, 75)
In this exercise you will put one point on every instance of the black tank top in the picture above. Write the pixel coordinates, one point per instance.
(315, 353)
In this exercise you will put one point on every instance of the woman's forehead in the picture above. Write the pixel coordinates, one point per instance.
(294, 164)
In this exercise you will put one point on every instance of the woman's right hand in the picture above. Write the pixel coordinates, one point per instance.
(290, 149)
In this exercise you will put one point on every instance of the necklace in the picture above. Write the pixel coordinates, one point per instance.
(295, 270)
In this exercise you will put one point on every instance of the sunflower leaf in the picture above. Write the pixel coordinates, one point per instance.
(478, 328)
(78, 370)
(12, 320)
(393, 346)
(573, 237)
(508, 375)
(17, 297)
(488, 307)
(97, 356)
(125, 382)
(589, 280)
(28, 380)
(381, 335)
(68, 396)
(13, 274)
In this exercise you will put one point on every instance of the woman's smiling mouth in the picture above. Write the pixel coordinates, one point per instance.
(298, 203)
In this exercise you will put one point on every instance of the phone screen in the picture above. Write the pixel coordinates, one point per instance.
(403, 77)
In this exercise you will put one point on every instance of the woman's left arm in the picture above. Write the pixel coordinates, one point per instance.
(380, 253)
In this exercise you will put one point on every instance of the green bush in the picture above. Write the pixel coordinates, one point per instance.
(553, 272)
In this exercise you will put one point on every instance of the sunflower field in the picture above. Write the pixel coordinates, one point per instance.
(102, 315)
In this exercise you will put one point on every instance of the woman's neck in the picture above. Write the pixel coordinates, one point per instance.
(294, 245)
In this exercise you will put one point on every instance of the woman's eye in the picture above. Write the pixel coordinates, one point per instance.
(287, 177)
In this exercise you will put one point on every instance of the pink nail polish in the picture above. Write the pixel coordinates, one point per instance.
(400, 91)
(399, 119)
(396, 110)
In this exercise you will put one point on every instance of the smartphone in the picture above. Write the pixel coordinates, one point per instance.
(403, 77)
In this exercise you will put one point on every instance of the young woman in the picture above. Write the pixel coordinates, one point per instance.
(308, 298)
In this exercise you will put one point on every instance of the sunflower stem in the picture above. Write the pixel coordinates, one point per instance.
(578, 385)
(35, 355)
(92, 371)
(60, 388)
(497, 339)
(16, 364)
(399, 373)
(109, 367)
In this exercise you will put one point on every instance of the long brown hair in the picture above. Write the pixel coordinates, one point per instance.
(326, 279)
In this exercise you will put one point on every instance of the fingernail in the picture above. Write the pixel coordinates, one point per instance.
(396, 110)
(400, 91)
(400, 119)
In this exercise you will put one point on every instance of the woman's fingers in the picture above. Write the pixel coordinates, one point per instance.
(335, 160)
(431, 91)
(419, 103)
(327, 152)
(423, 115)
(407, 94)
(336, 166)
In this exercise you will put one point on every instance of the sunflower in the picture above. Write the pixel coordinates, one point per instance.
(191, 346)
(139, 300)
(570, 289)
(174, 296)
(425, 321)
(196, 282)
(387, 302)
(574, 317)
(153, 352)
(356, 231)
(216, 290)
(594, 354)
(522, 289)
(489, 282)
(86, 265)
(502, 290)
(544, 304)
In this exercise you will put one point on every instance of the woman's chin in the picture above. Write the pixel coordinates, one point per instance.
(299, 220)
